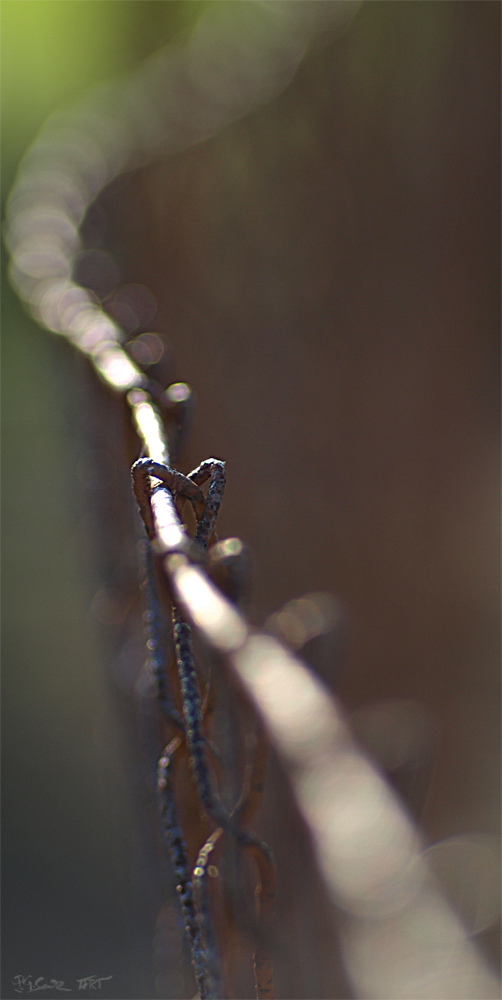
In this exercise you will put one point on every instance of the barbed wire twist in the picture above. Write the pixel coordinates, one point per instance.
(149, 477)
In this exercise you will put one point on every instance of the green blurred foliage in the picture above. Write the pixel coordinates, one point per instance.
(52, 51)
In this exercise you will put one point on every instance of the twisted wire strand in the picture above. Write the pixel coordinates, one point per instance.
(195, 908)
(215, 470)
(155, 643)
(199, 875)
(192, 713)
(254, 780)
(196, 746)
(203, 962)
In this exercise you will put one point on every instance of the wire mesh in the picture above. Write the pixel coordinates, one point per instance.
(368, 851)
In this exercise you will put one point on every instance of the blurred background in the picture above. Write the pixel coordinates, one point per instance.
(325, 273)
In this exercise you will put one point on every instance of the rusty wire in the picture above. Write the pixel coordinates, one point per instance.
(368, 852)
(158, 489)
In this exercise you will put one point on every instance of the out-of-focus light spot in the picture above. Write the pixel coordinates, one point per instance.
(38, 222)
(222, 625)
(419, 954)
(400, 939)
(133, 306)
(229, 548)
(212, 871)
(235, 59)
(97, 470)
(304, 619)
(50, 188)
(92, 118)
(124, 315)
(109, 606)
(61, 302)
(368, 847)
(42, 259)
(240, 68)
(294, 700)
(78, 314)
(116, 368)
(97, 270)
(25, 285)
(98, 333)
(62, 145)
(137, 396)
(228, 566)
(147, 349)
(50, 295)
(178, 392)
(468, 870)
(80, 318)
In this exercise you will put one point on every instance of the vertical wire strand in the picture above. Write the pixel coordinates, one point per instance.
(202, 962)
(155, 642)
(200, 874)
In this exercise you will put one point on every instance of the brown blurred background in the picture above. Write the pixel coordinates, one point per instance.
(327, 274)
